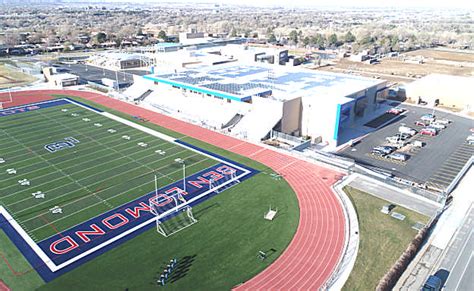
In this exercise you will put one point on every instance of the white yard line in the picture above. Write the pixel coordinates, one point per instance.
(29, 173)
(41, 140)
(69, 193)
(91, 153)
(84, 208)
(51, 265)
(65, 174)
(93, 174)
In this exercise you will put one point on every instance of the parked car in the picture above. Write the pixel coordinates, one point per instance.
(396, 110)
(421, 123)
(433, 283)
(407, 130)
(384, 149)
(398, 156)
(403, 136)
(428, 117)
(377, 153)
(470, 139)
(428, 131)
(418, 144)
(444, 121)
(393, 139)
(437, 125)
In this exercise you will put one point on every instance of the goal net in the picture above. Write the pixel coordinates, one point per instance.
(172, 213)
(225, 182)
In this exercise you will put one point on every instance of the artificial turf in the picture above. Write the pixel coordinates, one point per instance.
(101, 172)
(15, 270)
(218, 252)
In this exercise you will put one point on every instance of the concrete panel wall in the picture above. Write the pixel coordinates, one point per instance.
(291, 120)
(319, 118)
(451, 91)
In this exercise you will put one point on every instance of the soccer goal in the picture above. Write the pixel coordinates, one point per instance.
(225, 182)
(172, 212)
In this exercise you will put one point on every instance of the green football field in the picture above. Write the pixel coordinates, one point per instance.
(217, 253)
(101, 172)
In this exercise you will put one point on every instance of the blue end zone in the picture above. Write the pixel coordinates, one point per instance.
(116, 226)
(253, 171)
(44, 104)
(83, 105)
(32, 107)
(34, 260)
(89, 239)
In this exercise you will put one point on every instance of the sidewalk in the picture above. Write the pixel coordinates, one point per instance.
(429, 258)
(395, 195)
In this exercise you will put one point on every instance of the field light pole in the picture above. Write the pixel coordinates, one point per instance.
(116, 79)
(181, 161)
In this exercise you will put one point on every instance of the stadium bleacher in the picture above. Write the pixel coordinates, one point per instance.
(188, 106)
(138, 91)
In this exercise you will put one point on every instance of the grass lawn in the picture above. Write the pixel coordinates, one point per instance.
(12, 78)
(382, 239)
(217, 253)
(26, 278)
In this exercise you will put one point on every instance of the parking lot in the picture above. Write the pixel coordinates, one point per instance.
(435, 164)
(89, 73)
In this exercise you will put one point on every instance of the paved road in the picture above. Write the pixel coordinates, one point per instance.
(458, 259)
(397, 197)
(95, 74)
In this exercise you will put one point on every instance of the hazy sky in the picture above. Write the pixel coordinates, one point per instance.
(347, 3)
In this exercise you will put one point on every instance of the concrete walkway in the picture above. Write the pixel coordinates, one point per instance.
(395, 195)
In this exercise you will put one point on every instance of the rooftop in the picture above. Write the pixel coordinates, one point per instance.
(64, 76)
(241, 81)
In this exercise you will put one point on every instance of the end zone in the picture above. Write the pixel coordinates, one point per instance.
(71, 248)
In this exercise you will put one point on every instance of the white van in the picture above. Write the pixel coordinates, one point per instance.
(407, 130)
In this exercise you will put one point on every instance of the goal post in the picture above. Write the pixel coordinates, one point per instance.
(226, 182)
(172, 213)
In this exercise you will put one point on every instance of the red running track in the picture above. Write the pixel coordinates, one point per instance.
(317, 246)
(3, 286)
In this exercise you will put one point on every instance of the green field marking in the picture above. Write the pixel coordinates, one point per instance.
(122, 161)
(382, 239)
(115, 198)
(112, 171)
(224, 243)
(101, 172)
(25, 277)
(81, 151)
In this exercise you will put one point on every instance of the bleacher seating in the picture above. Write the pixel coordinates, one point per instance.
(233, 122)
(143, 96)
(138, 91)
(203, 110)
